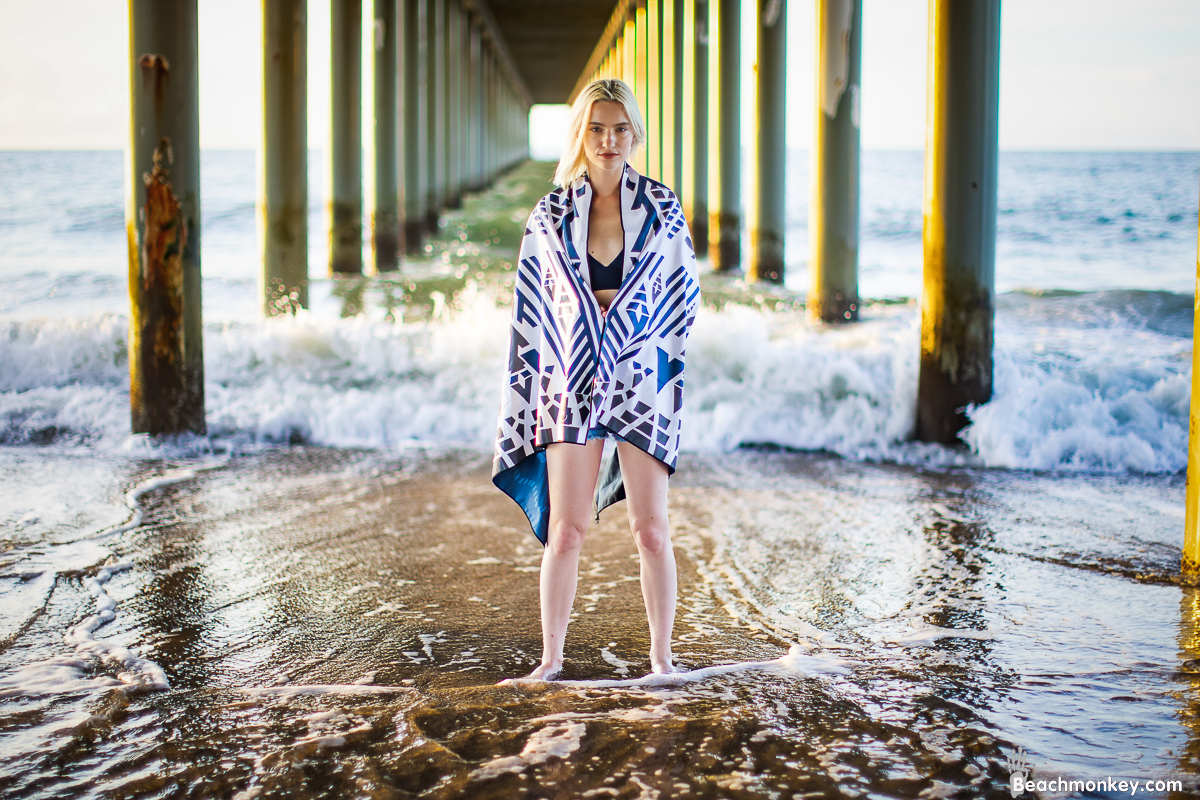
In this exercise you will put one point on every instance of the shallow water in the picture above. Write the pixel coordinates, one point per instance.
(334, 622)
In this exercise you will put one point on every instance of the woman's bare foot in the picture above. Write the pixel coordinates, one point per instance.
(663, 666)
(544, 672)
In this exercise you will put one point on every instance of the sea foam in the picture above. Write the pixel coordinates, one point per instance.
(1082, 382)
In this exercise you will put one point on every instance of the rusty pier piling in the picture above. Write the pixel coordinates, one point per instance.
(162, 220)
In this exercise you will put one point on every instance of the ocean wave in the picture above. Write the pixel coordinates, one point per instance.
(1097, 381)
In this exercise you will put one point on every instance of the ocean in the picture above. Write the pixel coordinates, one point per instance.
(900, 619)
(1095, 269)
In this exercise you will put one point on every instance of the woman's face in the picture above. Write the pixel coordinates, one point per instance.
(607, 136)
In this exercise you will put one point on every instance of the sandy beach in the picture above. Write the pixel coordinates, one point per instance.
(334, 622)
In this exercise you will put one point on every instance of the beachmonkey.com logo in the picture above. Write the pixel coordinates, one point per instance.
(1018, 772)
(1020, 781)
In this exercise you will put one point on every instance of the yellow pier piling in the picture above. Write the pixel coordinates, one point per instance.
(1191, 525)
(957, 304)
(694, 121)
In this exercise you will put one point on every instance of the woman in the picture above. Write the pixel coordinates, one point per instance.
(606, 291)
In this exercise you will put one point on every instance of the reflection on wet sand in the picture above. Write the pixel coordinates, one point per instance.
(334, 623)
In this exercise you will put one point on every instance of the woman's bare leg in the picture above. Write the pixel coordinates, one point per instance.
(572, 474)
(645, 479)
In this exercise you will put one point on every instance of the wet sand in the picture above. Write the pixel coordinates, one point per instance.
(333, 623)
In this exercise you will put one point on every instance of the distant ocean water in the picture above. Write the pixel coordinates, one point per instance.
(1096, 258)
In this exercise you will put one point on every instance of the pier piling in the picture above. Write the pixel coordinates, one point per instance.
(694, 121)
(344, 161)
(769, 162)
(960, 215)
(653, 106)
(415, 125)
(162, 220)
(435, 94)
(725, 210)
(475, 155)
(453, 169)
(833, 209)
(283, 174)
(672, 96)
(1191, 526)
(385, 190)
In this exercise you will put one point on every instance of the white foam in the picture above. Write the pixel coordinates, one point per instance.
(69, 674)
(621, 665)
(301, 690)
(1086, 390)
(1105, 411)
(795, 664)
(555, 740)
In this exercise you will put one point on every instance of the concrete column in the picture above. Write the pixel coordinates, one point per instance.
(343, 175)
(485, 140)
(769, 161)
(629, 50)
(453, 105)
(833, 209)
(957, 305)
(667, 69)
(1191, 525)
(385, 200)
(673, 121)
(725, 215)
(641, 86)
(695, 121)
(465, 180)
(162, 220)
(653, 107)
(436, 94)
(416, 173)
(283, 173)
(476, 98)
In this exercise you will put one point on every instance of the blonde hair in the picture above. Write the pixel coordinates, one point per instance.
(574, 161)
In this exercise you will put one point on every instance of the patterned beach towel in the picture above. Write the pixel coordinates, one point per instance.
(571, 368)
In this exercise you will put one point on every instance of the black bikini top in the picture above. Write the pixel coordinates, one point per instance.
(606, 276)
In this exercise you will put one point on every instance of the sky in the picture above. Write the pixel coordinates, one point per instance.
(1074, 74)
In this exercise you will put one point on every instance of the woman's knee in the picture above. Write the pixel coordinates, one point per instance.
(566, 535)
(653, 537)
